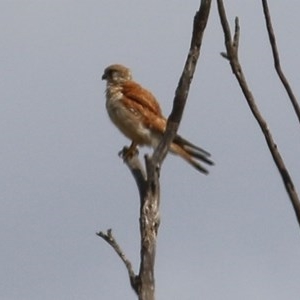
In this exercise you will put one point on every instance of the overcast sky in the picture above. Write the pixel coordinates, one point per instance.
(230, 235)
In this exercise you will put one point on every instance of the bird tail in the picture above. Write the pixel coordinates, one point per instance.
(191, 153)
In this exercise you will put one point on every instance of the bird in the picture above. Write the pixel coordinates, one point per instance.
(135, 111)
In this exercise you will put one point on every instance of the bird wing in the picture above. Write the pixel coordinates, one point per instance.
(145, 107)
(138, 94)
(141, 102)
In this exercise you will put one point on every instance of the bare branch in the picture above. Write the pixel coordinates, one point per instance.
(108, 237)
(149, 211)
(200, 21)
(232, 55)
(276, 58)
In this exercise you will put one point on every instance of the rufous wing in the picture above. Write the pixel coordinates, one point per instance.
(142, 102)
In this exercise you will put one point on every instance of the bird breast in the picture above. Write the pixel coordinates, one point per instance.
(127, 120)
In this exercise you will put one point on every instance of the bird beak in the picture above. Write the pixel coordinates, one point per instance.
(103, 76)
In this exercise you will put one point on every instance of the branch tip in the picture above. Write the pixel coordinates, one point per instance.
(236, 37)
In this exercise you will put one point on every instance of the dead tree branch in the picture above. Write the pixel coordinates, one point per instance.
(108, 237)
(149, 220)
(148, 181)
(232, 56)
(276, 58)
(200, 21)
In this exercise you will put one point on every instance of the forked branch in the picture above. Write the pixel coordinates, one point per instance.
(232, 56)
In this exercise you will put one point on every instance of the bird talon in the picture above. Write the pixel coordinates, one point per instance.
(127, 153)
(121, 152)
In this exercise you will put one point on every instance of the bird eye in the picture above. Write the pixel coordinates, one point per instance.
(111, 73)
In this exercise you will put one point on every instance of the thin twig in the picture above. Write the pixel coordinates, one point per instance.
(232, 56)
(276, 58)
(109, 238)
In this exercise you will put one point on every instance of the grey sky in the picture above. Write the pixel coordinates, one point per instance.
(229, 235)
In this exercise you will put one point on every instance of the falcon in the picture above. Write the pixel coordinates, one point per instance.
(137, 114)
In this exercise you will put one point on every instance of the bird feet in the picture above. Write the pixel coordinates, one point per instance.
(127, 153)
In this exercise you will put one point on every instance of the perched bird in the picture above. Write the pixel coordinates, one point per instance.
(137, 114)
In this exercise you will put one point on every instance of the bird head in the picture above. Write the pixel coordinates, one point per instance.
(116, 74)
